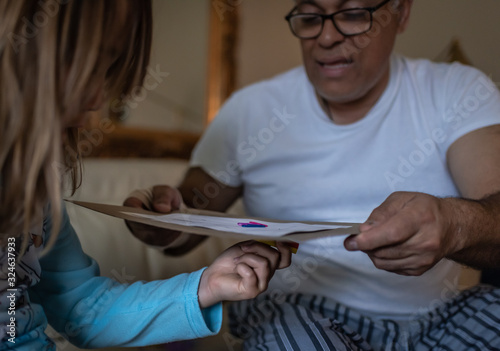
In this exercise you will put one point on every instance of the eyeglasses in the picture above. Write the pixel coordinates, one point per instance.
(348, 22)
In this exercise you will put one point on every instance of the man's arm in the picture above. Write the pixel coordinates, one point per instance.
(201, 191)
(198, 190)
(474, 162)
(410, 232)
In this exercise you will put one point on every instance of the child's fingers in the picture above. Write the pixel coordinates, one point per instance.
(285, 254)
(261, 266)
(249, 281)
(262, 250)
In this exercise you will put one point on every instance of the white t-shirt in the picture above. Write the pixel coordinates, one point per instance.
(294, 163)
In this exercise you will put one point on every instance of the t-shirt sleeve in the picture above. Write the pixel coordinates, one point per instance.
(472, 101)
(94, 311)
(216, 152)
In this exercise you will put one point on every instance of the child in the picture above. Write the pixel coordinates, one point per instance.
(58, 60)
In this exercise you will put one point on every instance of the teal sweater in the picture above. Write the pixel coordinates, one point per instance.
(64, 288)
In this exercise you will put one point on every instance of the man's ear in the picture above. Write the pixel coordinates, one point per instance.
(404, 14)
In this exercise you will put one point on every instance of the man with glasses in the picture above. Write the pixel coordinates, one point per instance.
(358, 126)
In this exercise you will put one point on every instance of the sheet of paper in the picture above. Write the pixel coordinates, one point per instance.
(229, 227)
(237, 225)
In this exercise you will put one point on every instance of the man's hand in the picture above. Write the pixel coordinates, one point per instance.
(241, 272)
(408, 234)
(161, 198)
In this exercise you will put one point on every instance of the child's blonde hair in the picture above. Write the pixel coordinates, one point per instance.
(49, 50)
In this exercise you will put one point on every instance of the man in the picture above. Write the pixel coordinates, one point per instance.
(356, 127)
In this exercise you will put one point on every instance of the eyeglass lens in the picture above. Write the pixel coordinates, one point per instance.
(348, 22)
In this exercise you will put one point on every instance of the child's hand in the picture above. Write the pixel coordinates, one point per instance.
(241, 272)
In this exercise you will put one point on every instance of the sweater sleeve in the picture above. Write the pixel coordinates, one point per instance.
(94, 311)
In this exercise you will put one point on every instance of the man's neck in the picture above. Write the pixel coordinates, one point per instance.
(343, 113)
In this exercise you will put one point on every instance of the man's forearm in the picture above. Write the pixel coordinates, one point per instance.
(476, 227)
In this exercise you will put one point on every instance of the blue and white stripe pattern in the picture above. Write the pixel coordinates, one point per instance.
(470, 321)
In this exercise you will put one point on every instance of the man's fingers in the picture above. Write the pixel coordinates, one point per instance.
(141, 196)
(391, 253)
(378, 215)
(392, 205)
(395, 230)
(165, 198)
(134, 202)
(160, 198)
(412, 265)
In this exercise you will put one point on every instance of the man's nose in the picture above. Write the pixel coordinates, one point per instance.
(330, 34)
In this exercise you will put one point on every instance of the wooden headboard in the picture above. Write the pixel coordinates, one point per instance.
(143, 143)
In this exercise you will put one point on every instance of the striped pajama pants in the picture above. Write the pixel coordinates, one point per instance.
(470, 321)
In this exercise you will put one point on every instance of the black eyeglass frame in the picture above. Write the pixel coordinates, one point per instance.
(331, 16)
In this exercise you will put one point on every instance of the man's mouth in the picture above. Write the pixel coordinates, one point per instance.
(335, 63)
